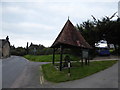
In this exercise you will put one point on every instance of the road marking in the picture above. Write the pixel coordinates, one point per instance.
(41, 79)
(41, 76)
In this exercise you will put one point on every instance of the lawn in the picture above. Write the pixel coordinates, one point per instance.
(48, 58)
(77, 71)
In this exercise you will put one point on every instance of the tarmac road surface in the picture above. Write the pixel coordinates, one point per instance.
(18, 72)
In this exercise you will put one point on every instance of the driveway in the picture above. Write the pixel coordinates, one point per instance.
(21, 73)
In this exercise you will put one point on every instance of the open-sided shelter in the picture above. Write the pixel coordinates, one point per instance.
(69, 37)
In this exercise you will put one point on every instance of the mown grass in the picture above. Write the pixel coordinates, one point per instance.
(48, 58)
(77, 71)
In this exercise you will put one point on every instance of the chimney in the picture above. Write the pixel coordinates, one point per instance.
(7, 38)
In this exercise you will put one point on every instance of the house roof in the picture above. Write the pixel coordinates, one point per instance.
(3, 42)
(70, 37)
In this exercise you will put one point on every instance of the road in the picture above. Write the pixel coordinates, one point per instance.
(18, 72)
(11, 69)
(21, 73)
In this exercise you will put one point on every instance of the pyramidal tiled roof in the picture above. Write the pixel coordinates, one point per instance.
(69, 36)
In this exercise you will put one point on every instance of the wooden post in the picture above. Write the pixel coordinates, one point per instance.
(85, 61)
(88, 57)
(82, 57)
(82, 62)
(53, 56)
(69, 68)
(88, 61)
(61, 52)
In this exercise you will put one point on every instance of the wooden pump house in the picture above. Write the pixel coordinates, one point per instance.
(69, 37)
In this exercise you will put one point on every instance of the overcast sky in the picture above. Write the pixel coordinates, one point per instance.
(40, 21)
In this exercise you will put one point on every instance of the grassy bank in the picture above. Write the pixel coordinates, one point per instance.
(48, 58)
(77, 71)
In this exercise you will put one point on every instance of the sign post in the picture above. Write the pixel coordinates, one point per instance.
(68, 68)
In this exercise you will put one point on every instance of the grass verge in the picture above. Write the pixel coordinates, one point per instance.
(48, 58)
(77, 71)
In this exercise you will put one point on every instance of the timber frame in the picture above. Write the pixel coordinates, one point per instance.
(69, 37)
